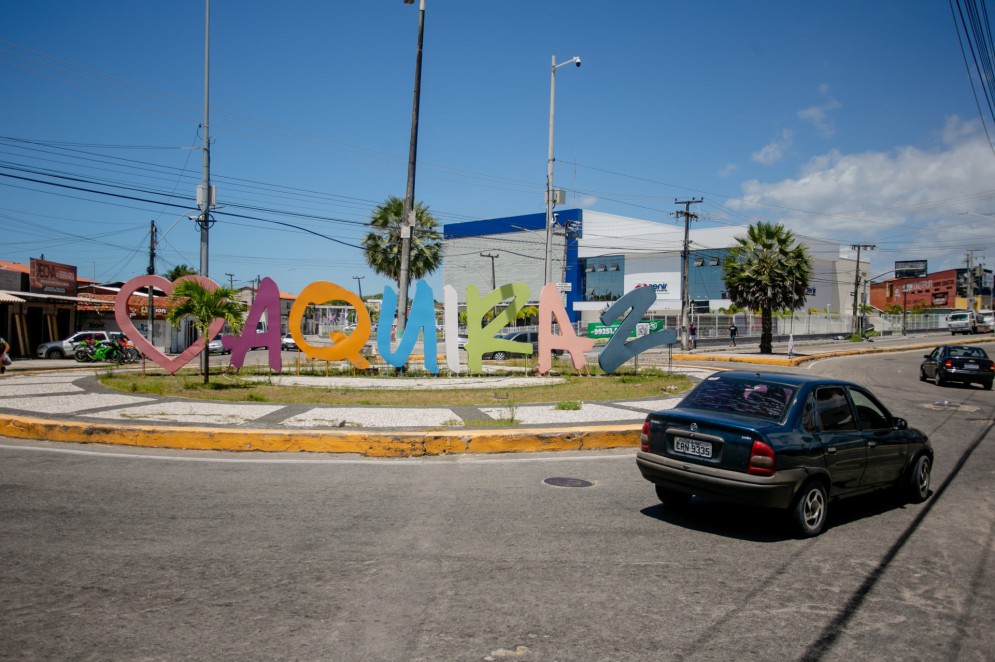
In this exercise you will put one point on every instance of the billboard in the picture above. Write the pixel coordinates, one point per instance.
(52, 278)
(910, 269)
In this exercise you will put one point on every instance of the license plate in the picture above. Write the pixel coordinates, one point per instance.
(692, 447)
(970, 366)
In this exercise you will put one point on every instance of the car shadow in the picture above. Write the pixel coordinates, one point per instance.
(766, 525)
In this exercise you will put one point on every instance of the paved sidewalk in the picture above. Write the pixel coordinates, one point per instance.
(69, 404)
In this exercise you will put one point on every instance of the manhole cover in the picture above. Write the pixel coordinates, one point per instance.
(568, 482)
(946, 405)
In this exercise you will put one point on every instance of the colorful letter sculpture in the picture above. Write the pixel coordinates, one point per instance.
(618, 351)
(144, 346)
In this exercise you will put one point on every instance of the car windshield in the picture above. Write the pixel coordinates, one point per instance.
(968, 352)
(753, 398)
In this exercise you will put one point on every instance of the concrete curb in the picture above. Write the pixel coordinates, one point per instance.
(371, 443)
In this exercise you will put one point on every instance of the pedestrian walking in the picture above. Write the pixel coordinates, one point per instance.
(693, 335)
(732, 334)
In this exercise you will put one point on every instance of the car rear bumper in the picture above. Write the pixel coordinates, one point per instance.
(775, 491)
(967, 376)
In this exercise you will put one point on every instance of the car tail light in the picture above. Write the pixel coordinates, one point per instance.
(644, 437)
(948, 363)
(762, 459)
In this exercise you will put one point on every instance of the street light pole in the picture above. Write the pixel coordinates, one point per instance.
(408, 215)
(359, 284)
(549, 166)
(205, 193)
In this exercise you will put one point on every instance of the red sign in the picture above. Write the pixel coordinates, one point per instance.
(52, 278)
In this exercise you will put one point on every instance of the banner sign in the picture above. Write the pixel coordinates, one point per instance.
(599, 330)
(52, 278)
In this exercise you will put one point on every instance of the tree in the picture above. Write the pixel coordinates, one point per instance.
(767, 270)
(192, 299)
(382, 244)
(179, 271)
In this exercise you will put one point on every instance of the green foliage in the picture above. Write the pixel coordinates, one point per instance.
(767, 270)
(179, 271)
(192, 299)
(382, 244)
(570, 405)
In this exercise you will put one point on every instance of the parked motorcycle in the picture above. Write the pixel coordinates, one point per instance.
(107, 351)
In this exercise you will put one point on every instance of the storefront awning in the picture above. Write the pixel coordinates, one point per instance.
(8, 297)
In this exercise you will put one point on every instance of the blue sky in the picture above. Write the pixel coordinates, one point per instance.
(849, 120)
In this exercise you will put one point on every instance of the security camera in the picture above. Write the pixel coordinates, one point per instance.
(577, 61)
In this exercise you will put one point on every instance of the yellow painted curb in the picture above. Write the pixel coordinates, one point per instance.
(372, 443)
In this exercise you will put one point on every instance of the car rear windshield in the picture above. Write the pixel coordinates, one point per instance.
(753, 398)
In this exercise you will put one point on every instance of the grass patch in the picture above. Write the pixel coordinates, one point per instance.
(236, 388)
(569, 405)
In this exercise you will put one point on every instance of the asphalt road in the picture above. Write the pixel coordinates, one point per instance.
(133, 554)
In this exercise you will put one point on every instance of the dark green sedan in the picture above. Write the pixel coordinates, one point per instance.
(789, 442)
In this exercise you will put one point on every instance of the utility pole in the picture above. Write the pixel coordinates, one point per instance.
(970, 278)
(685, 295)
(856, 285)
(231, 280)
(408, 215)
(493, 274)
(151, 271)
(359, 284)
(205, 192)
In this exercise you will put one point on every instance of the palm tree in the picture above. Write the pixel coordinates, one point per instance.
(192, 299)
(179, 271)
(382, 245)
(767, 270)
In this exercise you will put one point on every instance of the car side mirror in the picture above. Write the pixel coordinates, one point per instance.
(926, 356)
(899, 423)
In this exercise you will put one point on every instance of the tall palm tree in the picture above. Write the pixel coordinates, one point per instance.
(194, 300)
(382, 244)
(768, 270)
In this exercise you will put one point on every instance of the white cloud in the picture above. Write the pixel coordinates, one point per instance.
(909, 200)
(728, 170)
(773, 152)
(819, 115)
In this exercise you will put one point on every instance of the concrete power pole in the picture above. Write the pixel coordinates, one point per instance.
(493, 272)
(151, 271)
(970, 279)
(409, 212)
(685, 294)
(856, 286)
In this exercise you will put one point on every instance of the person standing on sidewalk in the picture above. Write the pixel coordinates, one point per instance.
(693, 335)
(732, 334)
(4, 358)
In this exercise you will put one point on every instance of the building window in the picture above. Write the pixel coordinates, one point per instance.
(602, 278)
(699, 262)
(713, 261)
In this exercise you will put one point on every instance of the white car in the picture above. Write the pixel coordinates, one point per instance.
(288, 343)
(215, 346)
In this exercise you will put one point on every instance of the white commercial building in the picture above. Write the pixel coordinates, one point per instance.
(599, 257)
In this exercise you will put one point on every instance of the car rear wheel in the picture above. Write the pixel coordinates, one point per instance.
(940, 381)
(55, 353)
(987, 385)
(809, 511)
(917, 485)
(672, 498)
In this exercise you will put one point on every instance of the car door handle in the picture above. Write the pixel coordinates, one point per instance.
(871, 444)
(831, 450)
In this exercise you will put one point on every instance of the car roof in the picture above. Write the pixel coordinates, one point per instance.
(784, 378)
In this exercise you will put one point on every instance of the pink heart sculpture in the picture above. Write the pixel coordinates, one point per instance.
(128, 327)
